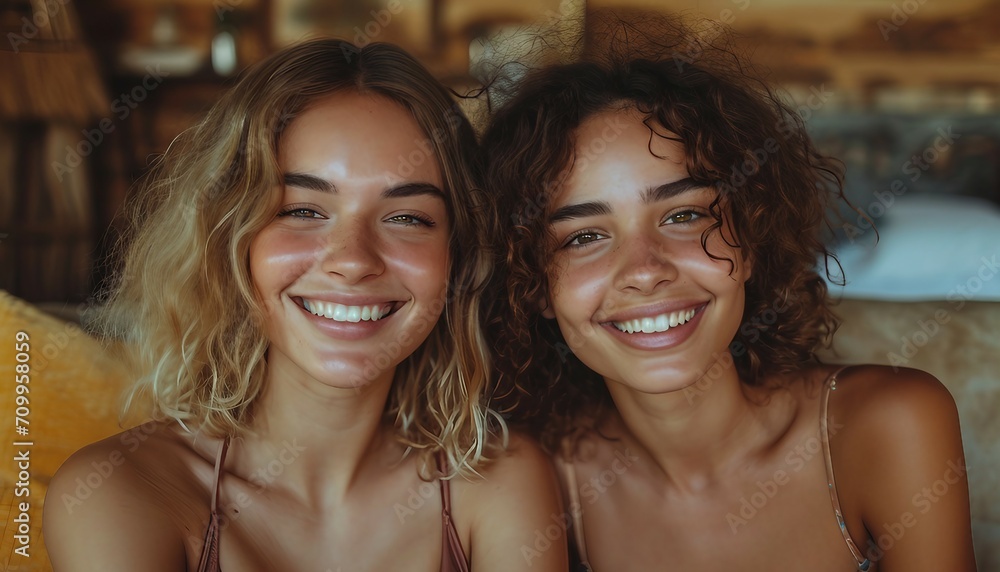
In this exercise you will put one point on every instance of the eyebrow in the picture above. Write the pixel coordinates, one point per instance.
(413, 189)
(310, 182)
(314, 183)
(580, 210)
(651, 195)
(670, 190)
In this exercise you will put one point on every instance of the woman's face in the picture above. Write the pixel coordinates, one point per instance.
(353, 268)
(635, 295)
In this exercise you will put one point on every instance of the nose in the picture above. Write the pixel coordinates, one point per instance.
(645, 263)
(352, 251)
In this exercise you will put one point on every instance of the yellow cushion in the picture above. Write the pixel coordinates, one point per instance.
(75, 392)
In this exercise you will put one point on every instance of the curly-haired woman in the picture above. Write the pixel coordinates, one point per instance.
(659, 318)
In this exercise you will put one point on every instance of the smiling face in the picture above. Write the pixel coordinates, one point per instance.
(354, 266)
(636, 296)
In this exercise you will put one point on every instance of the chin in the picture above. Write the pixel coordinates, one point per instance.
(352, 375)
(662, 386)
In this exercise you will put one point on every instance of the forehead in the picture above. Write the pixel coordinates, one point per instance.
(349, 135)
(616, 153)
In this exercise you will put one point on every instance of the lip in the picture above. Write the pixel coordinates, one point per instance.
(657, 341)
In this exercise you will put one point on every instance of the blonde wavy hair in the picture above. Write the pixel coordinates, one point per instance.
(184, 301)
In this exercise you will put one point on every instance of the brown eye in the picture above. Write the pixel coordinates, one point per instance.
(299, 212)
(583, 239)
(411, 220)
(683, 217)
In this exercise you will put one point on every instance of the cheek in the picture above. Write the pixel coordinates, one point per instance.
(278, 259)
(424, 266)
(577, 289)
(736, 271)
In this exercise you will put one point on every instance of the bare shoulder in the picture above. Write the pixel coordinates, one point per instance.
(506, 510)
(902, 416)
(900, 465)
(110, 505)
(893, 403)
(522, 465)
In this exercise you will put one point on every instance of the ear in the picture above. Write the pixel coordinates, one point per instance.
(747, 265)
(545, 305)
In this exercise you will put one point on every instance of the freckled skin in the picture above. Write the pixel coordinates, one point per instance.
(640, 256)
(720, 475)
(352, 242)
(320, 481)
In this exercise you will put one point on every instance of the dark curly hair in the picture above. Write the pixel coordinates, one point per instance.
(739, 137)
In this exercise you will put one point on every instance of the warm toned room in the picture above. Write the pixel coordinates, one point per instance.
(906, 93)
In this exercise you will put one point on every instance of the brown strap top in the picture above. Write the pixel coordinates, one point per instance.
(453, 557)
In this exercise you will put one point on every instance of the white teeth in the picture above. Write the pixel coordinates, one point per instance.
(339, 313)
(342, 313)
(660, 323)
(353, 313)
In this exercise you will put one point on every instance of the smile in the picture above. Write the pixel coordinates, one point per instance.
(655, 324)
(342, 313)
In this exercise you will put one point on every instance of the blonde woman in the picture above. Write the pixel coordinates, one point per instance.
(302, 290)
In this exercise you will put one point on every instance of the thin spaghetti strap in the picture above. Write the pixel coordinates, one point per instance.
(453, 557)
(575, 511)
(831, 385)
(220, 460)
(209, 561)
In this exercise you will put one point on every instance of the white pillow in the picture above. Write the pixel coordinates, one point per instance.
(931, 247)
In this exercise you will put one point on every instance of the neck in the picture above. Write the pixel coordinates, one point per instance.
(705, 433)
(313, 440)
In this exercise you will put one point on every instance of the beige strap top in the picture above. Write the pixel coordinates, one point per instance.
(830, 384)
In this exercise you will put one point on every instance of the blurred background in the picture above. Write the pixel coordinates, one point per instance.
(89, 94)
(905, 92)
